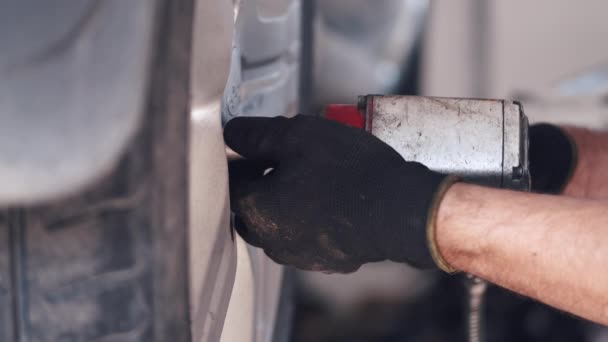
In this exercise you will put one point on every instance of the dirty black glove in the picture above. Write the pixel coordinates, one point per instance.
(336, 197)
(553, 158)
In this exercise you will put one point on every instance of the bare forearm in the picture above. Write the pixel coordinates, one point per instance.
(550, 248)
(590, 177)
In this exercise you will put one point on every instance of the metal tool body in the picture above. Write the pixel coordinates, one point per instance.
(483, 141)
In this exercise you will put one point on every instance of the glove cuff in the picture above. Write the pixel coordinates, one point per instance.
(553, 158)
(431, 225)
(573, 161)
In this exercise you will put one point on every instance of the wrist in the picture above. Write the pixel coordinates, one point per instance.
(433, 222)
(457, 239)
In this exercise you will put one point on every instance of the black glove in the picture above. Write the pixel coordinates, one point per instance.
(553, 158)
(336, 198)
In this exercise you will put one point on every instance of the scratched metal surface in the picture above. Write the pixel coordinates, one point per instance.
(476, 139)
(516, 173)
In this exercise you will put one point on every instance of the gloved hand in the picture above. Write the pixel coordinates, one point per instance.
(336, 198)
(553, 158)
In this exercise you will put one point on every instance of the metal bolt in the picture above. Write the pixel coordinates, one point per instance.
(362, 103)
(518, 172)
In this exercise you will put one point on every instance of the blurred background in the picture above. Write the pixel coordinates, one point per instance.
(549, 54)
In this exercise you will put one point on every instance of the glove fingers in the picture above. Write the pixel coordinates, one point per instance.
(252, 201)
(245, 171)
(256, 137)
(245, 178)
(248, 235)
(309, 260)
